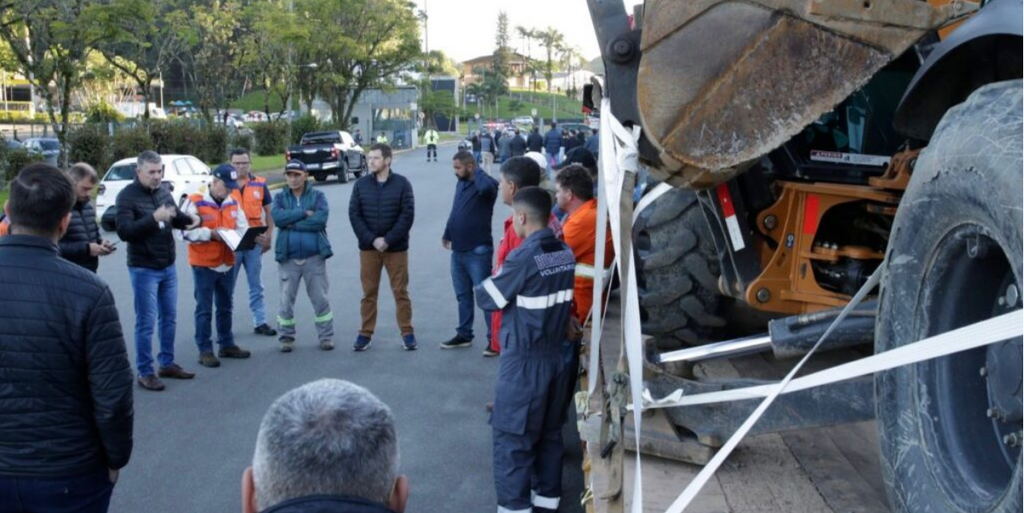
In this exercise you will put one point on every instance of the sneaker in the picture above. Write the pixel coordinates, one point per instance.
(489, 353)
(264, 329)
(207, 359)
(286, 344)
(326, 345)
(362, 343)
(409, 342)
(457, 341)
(233, 352)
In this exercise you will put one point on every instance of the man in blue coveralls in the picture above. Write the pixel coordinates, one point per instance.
(533, 290)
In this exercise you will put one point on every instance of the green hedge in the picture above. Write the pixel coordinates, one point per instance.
(91, 144)
(303, 125)
(130, 142)
(11, 161)
(271, 137)
(241, 139)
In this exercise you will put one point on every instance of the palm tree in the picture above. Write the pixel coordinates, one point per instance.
(552, 39)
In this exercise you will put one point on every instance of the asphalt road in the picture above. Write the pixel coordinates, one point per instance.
(193, 441)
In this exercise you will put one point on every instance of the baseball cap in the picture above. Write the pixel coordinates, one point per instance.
(227, 174)
(295, 166)
(580, 156)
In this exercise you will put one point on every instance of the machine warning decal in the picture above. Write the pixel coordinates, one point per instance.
(856, 159)
(731, 223)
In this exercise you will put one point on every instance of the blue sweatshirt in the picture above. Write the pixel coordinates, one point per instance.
(298, 235)
(469, 224)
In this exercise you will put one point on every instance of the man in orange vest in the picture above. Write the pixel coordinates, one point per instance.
(254, 198)
(213, 263)
(5, 223)
(575, 195)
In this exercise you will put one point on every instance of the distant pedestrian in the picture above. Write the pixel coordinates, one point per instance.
(65, 378)
(253, 196)
(535, 141)
(474, 140)
(213, 264)
(82, 243)
(146, 214)
(518, 144)
(593, 144)
(300, 213)
(553, 144)
(516, 174)
(505, 147)
(487, 151)
(382, 210)
(468, 236)
(431, 137)
(534, 292)
(327, 446)
(382, 139)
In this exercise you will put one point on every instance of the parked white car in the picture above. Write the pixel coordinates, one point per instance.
(183, 175)
(523, 121)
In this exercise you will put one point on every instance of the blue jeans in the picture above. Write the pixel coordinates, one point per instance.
(469, 269)
(156, 298)
(252, 260)
(213, 289)
(87, 493)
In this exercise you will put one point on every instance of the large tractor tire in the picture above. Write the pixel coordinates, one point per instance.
(677, 272)
(947, 427)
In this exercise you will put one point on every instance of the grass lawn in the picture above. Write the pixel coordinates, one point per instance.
(268, 163)
(3, 197)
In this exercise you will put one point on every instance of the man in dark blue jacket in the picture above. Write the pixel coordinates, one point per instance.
(65, 381)
(553, 144)
(534, 291)
(468, 236)
(381, 210)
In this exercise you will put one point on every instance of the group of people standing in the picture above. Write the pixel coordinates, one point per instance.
(535, 292)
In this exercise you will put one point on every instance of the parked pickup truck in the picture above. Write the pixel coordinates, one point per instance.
(329, 153)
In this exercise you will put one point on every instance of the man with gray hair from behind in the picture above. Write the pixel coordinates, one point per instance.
(326, 447)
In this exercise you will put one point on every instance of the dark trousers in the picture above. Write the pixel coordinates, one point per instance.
(213, 289)
(469, 269)
(88, 493)
(432, 150)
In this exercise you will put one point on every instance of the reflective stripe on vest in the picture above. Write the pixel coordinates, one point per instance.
(251, 199)
(588, 272)
(213, 253)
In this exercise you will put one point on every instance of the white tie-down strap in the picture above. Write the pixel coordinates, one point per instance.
(619, 155)
(544, 302)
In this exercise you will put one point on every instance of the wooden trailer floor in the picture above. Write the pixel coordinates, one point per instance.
(833, 469)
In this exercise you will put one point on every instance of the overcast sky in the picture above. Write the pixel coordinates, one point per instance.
(465, 29)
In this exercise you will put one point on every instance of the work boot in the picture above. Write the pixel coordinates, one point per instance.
(286, 344)
(174, 371)
(456, 342)
(151, 383)
(207, 359)
(326, 345)
(264, 329)
(233, 352)
(362, 343)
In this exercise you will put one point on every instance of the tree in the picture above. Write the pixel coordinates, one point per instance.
(50, 39)
(359, 44)
(140, 43)
(269, 56)
(502, 54)
(214, 56)
(532, 67)
(551, 39)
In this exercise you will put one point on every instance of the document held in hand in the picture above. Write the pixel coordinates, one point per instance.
(241, 242)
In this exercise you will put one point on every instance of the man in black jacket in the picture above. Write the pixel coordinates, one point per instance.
(381, 211)
(65, 380)
(82, 243)
(535, 142)
(146, 214)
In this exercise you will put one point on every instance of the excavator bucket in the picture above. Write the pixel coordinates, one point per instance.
(723, 82)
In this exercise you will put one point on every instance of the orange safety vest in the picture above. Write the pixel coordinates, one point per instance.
(214, 216)
(580, 230)
(251, 199)
(5, 227)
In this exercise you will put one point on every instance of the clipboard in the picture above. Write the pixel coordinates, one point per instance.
(241, 242)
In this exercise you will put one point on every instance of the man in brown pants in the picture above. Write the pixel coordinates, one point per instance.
(381, 211)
